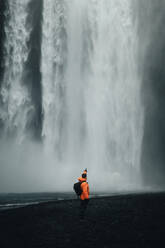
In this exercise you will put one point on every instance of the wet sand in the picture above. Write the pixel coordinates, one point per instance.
(134, 220)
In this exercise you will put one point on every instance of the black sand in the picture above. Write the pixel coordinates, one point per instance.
(134, 220)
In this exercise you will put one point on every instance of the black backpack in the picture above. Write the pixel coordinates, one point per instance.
(77, 188)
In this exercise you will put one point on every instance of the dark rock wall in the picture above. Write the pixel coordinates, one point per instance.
(151, 19)
(32, 68)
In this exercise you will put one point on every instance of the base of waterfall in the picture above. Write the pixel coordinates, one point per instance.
(132, 220)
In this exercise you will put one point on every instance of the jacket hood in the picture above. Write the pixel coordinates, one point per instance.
(82, 179)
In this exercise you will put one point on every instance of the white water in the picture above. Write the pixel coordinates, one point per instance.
(93, 116)
(14, 94)
(52, 79)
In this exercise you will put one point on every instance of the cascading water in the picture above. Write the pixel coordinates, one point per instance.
(100, 86)
(15, 98)
(52, 67)
(91, 111)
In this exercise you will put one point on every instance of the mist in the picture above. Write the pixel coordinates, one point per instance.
(28, 168)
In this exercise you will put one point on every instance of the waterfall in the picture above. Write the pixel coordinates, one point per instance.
(15, 98)
(92, 114)
(114, 111)
(70, 96)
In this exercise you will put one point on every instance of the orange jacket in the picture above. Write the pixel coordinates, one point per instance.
(85, 188)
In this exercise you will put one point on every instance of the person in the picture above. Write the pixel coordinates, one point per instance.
(84, 197)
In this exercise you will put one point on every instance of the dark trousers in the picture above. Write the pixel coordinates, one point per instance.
(83, 207)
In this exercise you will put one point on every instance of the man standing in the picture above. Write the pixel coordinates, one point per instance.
(84, 197)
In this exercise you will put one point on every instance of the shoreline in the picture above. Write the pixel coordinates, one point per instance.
(19, 204)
